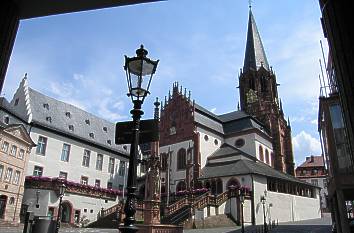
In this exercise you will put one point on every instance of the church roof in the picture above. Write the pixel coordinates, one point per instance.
(227, 123)
(242, 166)
(255, 55)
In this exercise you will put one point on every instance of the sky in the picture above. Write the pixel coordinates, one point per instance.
(78, 58)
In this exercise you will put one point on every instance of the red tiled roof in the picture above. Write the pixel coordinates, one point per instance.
(313, 161)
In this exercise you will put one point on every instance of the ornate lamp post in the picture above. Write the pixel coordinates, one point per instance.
(263, 200)
(62, 189)
(242, 201)
(139, 71)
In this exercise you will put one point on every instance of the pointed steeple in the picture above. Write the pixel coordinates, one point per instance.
(255, 56)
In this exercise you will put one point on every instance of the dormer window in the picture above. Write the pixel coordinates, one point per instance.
(68, 114)
(125, 147)
(6, 120)
(49, 119)
(105, 129)
(71, 127)
(87, 121)
(46, 106)
(92, 135)
(16, 102)
(109, 142)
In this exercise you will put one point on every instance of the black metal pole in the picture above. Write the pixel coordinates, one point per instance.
(130, 208)
(264, 218)
(59, 215)
(242, 220)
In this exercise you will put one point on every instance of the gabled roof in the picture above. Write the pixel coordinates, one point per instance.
(255, 56)
(313, 161)
(18, 131)
(227, 150)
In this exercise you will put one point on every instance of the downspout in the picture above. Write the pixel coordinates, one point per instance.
(253, 219)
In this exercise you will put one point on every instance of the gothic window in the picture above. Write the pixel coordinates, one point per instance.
(261, 156)
(111, 166)
(163, 162)
(121, 170)
(263, 84)
(267, 156)
(251, 83)
(181, 159)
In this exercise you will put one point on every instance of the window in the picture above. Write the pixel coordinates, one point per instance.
(6, 120)
(181, 159)
(314, 182)
(92, 135)
(206, 138)
(71, 127)
(16, 101)
(21, 154)
(99, 162)
(63, 175)
(216, 142)
(261, 156)
(1, 170)
(111, 166)
(38, 171)
(91, 211)
(12, 201)
(46, 106)
(13, 150)
(84, 180)
(65, 153)
(41, 145)
(109, 142)
(8, 174)
(121, 170)
(86, 158)
(240, 142)
(17, 177)
(97, 183)
(49, 119)
(85, 210)
(267, 156)
(105, 129)
(87, 121)
(5, 146)
(109, 185)
(68, 114)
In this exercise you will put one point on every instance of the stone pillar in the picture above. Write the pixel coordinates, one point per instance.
(9, 18)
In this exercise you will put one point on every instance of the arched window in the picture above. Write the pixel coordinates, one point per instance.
(233, 182)
(261, 156)
(267, 156)
(181, 186)
(181, 159)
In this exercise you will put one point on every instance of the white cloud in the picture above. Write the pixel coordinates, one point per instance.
(213, 110)
(305, 145)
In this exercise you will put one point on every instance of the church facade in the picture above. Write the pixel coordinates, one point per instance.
(249, 148)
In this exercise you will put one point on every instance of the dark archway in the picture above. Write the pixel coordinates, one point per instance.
(181, 186)
(66, 212)
(3, 201)
(233, 182)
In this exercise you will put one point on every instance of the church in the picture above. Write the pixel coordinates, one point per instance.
(248, 149)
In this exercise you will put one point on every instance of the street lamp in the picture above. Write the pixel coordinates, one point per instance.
(62, 189)
(263, 201)
(139, 72)
(242, 201)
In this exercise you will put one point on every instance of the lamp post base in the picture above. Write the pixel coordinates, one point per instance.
(128, 229)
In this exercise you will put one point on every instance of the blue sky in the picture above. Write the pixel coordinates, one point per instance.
(78, 58)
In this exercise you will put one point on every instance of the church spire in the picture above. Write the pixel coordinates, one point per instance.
(255, 56)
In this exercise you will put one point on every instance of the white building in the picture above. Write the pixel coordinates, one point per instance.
(73, 145)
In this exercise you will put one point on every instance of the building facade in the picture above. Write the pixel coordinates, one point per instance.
(73, 146)
(313, 171)
(16, 145)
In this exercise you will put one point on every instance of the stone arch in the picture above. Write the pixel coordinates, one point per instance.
(181, 186)
(67, 212)
(233, 181)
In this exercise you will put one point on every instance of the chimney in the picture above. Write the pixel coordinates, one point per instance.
(307, 158)
(312, 158)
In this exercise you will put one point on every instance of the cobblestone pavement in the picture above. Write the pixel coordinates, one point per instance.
(322, 225)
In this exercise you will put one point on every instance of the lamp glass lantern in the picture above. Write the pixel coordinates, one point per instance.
(139, 71)
(62, 189)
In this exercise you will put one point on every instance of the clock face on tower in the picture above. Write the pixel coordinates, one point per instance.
(251, 96)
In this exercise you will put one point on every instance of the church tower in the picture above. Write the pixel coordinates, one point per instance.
(259, 97)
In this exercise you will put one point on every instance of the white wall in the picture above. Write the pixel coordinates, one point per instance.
(52, 163)
(208, 147)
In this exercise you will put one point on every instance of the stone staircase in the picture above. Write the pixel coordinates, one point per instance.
(221, 220)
